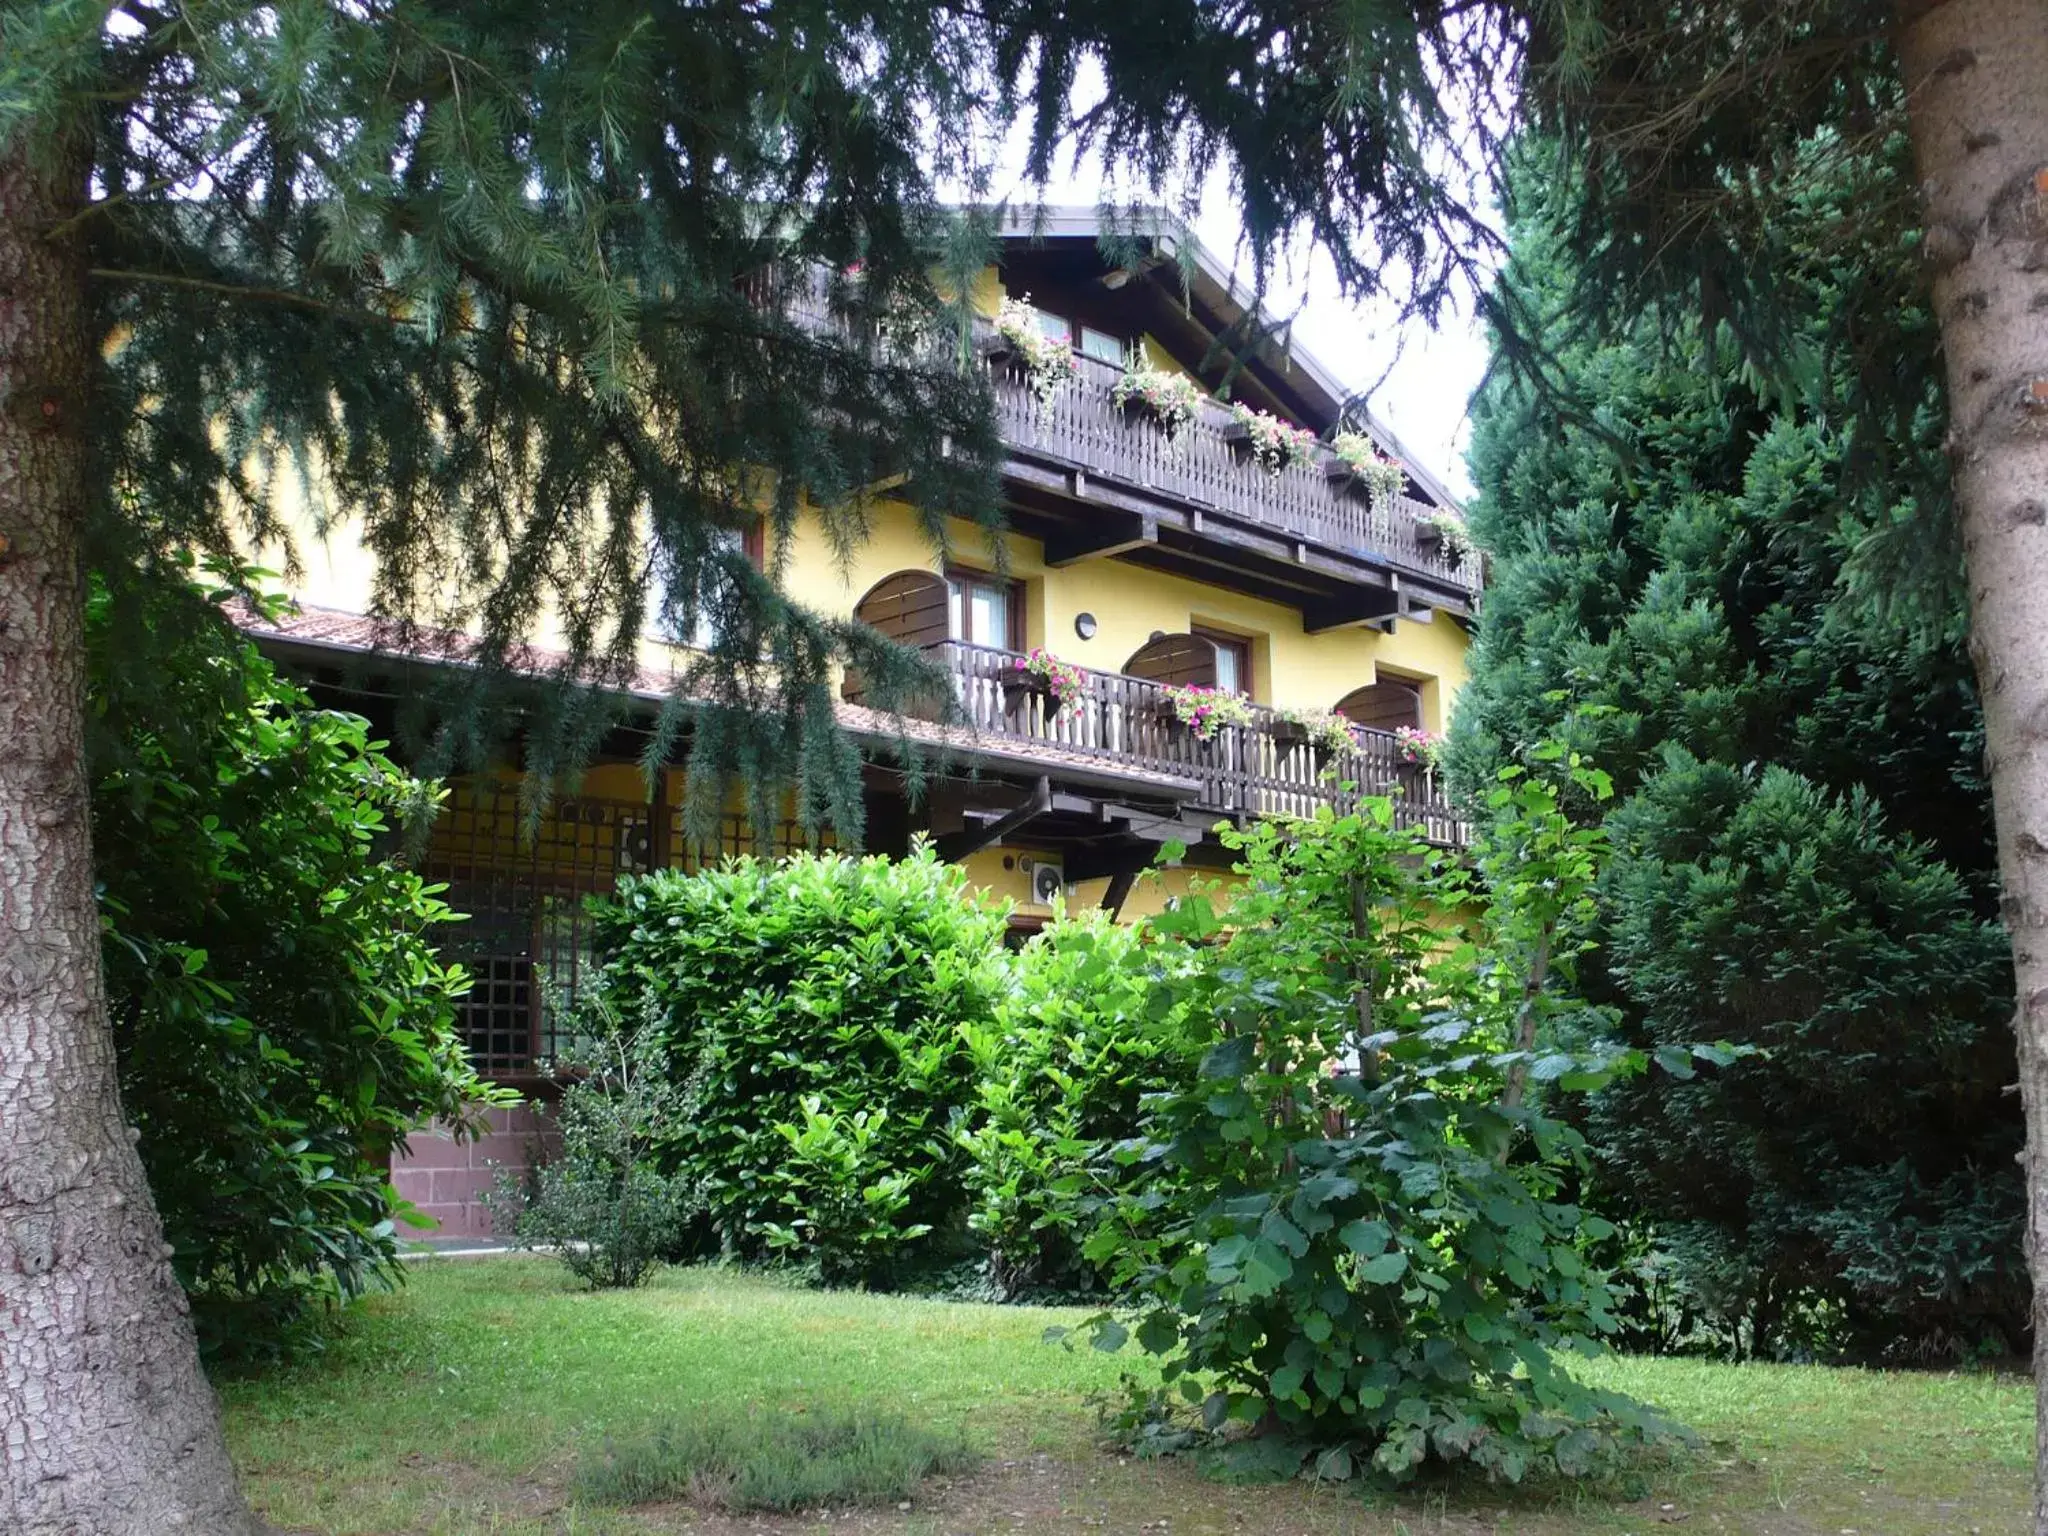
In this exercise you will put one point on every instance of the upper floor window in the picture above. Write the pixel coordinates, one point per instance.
(1101, 346)
(1085, 339)
(664, 620)
(1053, 325)
(1233, 660)
(984, 610)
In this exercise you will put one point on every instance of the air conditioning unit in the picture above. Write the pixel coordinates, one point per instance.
(1048, 882)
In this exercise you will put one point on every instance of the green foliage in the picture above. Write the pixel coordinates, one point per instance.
(599, 1202)
(1358, 1237)
(1065, 1071)
(413, 250)
(1866, 1164)
(814, 1009)
(280, 1015)
(1803, 841)
(775, 1462)
(843, 1207)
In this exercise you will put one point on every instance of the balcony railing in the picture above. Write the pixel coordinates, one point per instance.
(1202, 467)
(1242, 770)
(1082, 427)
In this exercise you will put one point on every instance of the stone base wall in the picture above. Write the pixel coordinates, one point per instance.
(444, 1177)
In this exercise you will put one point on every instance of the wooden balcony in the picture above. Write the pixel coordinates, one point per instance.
(1127, 722)
(1092, 479)
(1307, 531)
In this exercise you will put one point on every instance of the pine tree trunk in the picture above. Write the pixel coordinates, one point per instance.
(1977, 74)
(107, 1426)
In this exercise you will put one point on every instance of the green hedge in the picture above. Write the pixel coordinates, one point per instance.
(1078, 1046)
(816, 1011)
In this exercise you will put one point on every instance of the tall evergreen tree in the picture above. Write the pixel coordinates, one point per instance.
(1803, 851)
(502, 280)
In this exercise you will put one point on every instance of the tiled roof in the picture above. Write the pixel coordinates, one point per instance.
(333, 629)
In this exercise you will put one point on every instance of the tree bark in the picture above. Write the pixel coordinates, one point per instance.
(107, 1426)
(1976, 73)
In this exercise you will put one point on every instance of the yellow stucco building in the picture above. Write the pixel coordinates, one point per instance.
(1152, 563)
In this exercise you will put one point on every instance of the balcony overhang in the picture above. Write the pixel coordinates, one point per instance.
(1079, 516)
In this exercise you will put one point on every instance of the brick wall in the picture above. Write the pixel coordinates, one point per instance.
(443, 1176)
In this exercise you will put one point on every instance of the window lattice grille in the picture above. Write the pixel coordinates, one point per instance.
(524, 886)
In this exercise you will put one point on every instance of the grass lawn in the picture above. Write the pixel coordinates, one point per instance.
(461, 1406)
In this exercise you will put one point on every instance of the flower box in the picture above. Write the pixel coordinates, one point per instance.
(1264, 439)
(1042, 675)
(996, 347)
(1026, 686)
(1138, 408)
(1170, 401)
(1291, 733)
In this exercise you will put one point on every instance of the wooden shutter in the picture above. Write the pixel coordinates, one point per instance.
(1181, 661)
(908, 607)
(1384, 706)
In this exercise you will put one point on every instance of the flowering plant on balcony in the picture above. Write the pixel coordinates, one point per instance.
(1205, 711)
(1452, 536)
(1060, 680)
(1327, 732)
(1171, 398)
(1382, 477)
(1048, 361)
(1417, 747)
(1275, 444)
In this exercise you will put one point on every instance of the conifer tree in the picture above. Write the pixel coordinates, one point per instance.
(1803, 856)
(531, 296)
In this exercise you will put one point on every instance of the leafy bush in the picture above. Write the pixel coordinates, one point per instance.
(599, 1201)
(1064, 1071)
(1357, 1237)
(280, 1016)
(844, 1209)
(777, 1462)
(821, 978)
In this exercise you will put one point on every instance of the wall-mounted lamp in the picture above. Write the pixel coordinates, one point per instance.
(1084, 625)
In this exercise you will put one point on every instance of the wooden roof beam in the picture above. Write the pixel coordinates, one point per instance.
(1371, 606)
(1117, 533)
(955, 846)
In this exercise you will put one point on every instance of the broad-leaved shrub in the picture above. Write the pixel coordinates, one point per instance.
(844, 981)
(1065, 1071)
(1358, 1237)
(598, 1200)
(281, 1018)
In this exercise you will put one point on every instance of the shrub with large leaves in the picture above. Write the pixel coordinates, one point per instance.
(1066, 1072)
(822, 977)
(1357, 1235)
(281, 1018)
